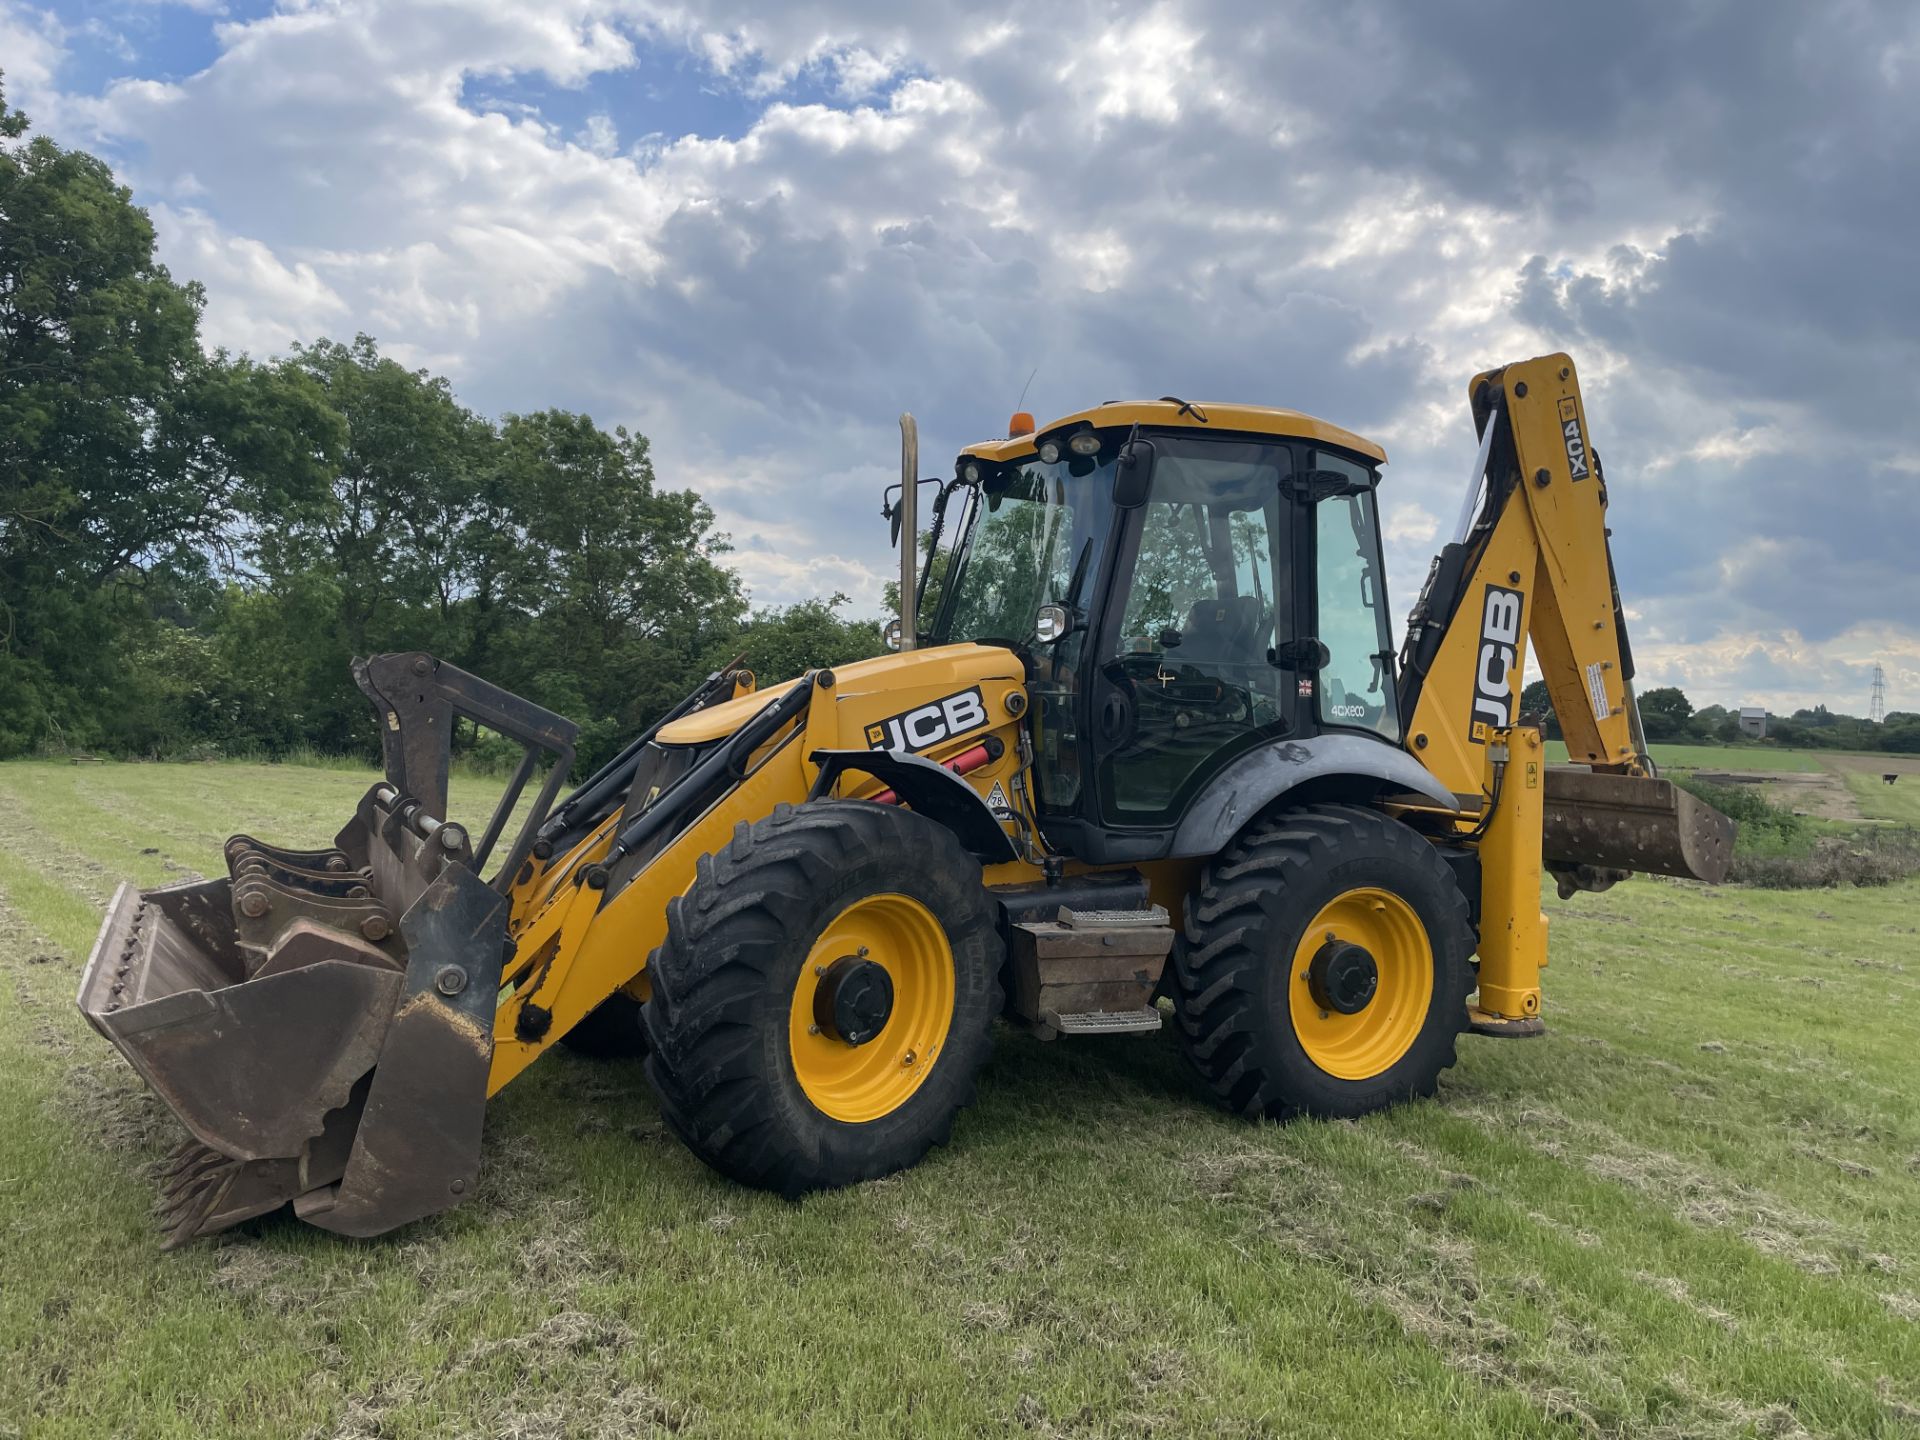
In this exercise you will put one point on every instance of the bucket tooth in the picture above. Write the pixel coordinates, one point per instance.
(189, 1219)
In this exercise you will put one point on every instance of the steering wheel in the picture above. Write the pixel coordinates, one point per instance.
(1173, 682)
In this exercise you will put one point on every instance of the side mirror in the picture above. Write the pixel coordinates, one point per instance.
(1133, 475)
(891, 635)
(1051, 623)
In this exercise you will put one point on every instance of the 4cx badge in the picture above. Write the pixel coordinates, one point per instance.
(1576, 443)
(929, 724)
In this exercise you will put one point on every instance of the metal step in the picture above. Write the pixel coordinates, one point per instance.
(1143, 1021)
(1153, 917)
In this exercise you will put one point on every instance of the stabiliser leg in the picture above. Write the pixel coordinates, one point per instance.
(1513, 931)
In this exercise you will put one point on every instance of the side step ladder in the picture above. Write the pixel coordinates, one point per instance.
(1090, 972)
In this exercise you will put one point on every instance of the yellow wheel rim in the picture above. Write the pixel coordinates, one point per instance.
(857, 1083)
(1371, 1040)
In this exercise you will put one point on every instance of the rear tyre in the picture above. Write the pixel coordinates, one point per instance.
(1324, 966)
(825, 996)
(611, 1032)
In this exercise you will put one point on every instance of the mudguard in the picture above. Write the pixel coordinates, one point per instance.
(1251, 783)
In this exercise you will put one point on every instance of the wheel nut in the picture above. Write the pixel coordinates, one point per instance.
(451, 980)
(908, 1058)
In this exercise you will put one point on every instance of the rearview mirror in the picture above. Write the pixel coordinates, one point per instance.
(1133, 475)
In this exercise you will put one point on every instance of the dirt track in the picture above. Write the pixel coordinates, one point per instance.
(1822, 793)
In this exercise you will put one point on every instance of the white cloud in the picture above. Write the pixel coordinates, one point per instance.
(32, 49)
(255, 301)
(1205, 197)
(1409, 524)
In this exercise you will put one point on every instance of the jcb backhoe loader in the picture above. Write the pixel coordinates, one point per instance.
(1151, 743)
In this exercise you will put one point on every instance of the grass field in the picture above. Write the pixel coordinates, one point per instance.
(1718, 757)
(1692, 1210)
(1878, 800)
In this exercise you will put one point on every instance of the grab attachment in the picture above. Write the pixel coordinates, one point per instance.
(321, 1020)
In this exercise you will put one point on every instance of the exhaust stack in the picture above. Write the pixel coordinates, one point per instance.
(909, 530)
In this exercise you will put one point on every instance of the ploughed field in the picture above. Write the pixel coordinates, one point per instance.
(1692, 1210)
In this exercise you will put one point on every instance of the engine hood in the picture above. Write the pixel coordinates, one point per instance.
(912, 678)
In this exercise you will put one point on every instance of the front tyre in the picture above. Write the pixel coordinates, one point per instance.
(1324, 966)
(825, 996)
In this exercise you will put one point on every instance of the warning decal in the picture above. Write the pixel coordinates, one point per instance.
(997, 802)
(1597, 692)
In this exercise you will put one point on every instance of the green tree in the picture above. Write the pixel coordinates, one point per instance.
(783, 642)
(397, 525)
(619, 578)
(129, 457)
(1665, 711)
(1537, 703)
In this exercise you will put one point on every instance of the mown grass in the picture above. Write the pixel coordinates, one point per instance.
(1715, 757)
(1692, 1210)
(1878, 800)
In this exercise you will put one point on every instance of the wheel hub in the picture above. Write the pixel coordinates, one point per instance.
(854, 1000)
(1343, 977)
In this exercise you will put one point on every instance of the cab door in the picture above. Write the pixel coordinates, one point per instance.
(1186, 674)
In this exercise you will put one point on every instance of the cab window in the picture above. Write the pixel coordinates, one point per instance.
(1356, 685)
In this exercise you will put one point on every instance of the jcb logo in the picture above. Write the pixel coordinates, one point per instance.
(1576, 444)
(929, 724)
(1499, 654)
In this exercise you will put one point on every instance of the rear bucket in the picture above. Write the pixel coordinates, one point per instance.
(1631, 822)
(320, 1021)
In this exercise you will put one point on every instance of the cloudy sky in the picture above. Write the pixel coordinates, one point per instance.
(757, 231)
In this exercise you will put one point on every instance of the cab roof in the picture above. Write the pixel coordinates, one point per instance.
(1177, 414)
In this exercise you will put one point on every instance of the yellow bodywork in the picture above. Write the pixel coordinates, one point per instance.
(1546, 557)
(1544, 576)
(571, 951)
(1546, 553)
(1169, 414)
(1548, 548)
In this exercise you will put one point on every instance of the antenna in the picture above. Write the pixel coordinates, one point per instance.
(1877, 706)
(1021, 403)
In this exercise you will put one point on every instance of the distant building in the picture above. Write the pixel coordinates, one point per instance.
(1753, 722)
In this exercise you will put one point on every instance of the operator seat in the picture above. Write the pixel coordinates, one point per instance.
(1222, 632)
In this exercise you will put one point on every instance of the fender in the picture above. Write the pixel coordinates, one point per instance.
(931, 790)
(1257, 779)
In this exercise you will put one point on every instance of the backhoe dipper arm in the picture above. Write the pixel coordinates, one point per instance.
(1535, 564)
